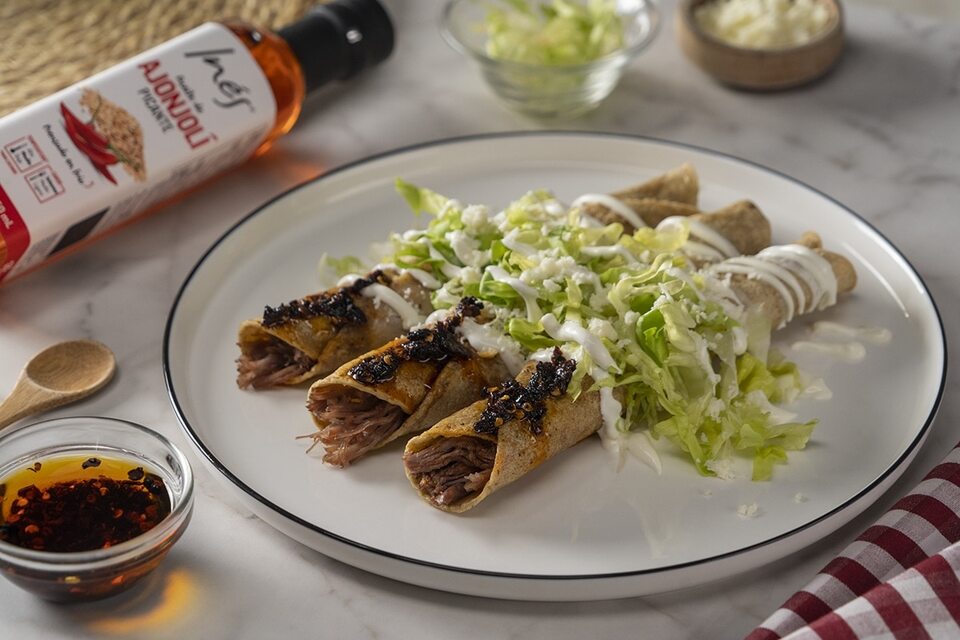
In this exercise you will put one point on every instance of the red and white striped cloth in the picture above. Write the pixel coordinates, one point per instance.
(900, 579)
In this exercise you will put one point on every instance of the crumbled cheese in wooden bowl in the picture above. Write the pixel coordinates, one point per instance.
(763, 24)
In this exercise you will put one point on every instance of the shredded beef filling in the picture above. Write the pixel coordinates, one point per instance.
(354, 423)
(270, 362)
(451, 469)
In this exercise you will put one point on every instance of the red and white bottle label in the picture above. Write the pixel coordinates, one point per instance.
(89, 157)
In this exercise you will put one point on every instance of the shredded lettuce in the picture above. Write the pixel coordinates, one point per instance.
(688, 368)
(557, 33)
(330, 269)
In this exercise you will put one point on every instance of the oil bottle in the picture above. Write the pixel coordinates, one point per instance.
(128, 140)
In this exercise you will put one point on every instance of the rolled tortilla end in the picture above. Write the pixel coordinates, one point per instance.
(454, 468)
(677, 185)
(653, 211)
(305, 347)
(765, 291)
(354, 415)
(742, 223)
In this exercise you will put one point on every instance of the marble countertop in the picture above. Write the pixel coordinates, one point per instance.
(880, 134)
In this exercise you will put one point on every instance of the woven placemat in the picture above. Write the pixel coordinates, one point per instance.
(50, 44)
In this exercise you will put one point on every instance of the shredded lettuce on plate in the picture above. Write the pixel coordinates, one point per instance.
(687, 364)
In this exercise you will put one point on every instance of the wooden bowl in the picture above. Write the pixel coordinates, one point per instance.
(760, 69)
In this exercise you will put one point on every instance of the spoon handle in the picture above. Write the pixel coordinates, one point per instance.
(25, 399)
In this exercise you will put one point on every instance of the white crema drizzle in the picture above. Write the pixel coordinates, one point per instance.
(845, 351)
(709, 244)
(873, 335)
(419, 275)
(786, 269)
(608, 201)
(382, 294)
(609, 252)
(575, 332)
(528, 293)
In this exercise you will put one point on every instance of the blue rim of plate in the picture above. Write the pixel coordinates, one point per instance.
(222, 468)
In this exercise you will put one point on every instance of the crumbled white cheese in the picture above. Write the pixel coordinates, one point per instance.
(469, 275)
(723, 468)
(467, 249)
(551, 286)
(799, 497)
(763, 24)
(748, 511)
(475, 217)
(602, 328)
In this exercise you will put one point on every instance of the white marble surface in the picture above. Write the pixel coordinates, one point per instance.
(881, 134)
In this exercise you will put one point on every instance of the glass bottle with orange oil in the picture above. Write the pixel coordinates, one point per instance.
(127, 140)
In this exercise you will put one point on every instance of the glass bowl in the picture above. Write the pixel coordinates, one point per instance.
(550, 91)
(89, 575)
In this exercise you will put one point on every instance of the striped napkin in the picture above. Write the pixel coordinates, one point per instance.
(899, 579)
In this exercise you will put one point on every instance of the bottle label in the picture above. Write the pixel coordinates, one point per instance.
(91, 156)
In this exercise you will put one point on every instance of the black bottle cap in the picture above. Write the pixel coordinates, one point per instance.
(337, 40)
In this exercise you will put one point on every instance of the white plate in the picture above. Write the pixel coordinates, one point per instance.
(575, 529)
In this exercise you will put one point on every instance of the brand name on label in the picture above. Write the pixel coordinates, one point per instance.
(176, 105)
(232, 93)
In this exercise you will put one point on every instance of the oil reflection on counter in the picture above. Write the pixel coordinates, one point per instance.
(166, 602)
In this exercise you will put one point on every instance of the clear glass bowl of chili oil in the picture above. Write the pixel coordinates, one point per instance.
(88, 505)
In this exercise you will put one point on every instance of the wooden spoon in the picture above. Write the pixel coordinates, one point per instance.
(58, 375)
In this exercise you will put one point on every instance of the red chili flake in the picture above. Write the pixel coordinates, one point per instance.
(36, 467)
(82, 515)
(91, 462)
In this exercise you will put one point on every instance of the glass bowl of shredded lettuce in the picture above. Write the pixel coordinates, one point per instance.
(551, 59)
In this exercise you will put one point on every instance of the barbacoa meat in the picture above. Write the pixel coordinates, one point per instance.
(271, 362)
(354, 422)
(450, 469)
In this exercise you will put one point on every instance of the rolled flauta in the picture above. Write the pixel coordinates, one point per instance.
(739, 228)
(674, 193)
(280, 349)
(677, 185)
(454, 465)
(401, 388)
(312, 336)
(785, 281)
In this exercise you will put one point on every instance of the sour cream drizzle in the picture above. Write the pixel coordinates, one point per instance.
(510, 242)
(409, 316)
(575, 332)
(419, 275)
(845, 351)
(609, 252)
(528, 293)
(711, 243)
(617, 206)
(787, 268)
(873, 335)
(488, 340)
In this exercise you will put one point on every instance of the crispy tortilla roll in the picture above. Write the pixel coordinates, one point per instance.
(464, 458)
(314, 335)
(401, 388)
(677, 185)
(742, 223)
(737, 229)
(790, 280)
(674, 193)
(454, 467)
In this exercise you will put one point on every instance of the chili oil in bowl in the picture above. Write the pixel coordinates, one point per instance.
(88, 505)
